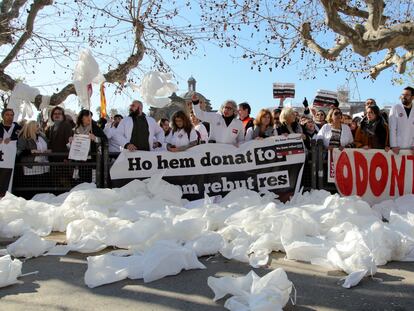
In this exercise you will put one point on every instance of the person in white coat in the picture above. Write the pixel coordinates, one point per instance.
(138, 131)
(114, 141)
(225, 128)
(335, 134)
(401, 122)
(200, 128)
(183, 135)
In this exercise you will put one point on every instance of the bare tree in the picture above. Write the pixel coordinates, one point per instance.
(119, 32)
(360, 36)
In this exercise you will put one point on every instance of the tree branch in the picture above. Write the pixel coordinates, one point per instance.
(375, 10)
(391, 59)
(9, 11)
(352, 11)
(35, 7)
(329, 54)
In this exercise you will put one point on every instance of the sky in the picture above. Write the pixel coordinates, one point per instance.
(220, 76)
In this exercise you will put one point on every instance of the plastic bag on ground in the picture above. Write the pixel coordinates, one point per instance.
(268, 293)
(10, 270)
(29, 245)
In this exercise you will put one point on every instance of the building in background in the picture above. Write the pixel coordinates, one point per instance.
(182, 102)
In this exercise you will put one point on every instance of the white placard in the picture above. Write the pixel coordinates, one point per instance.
(79, 149)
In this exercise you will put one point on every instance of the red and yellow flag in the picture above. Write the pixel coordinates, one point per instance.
(103, 101)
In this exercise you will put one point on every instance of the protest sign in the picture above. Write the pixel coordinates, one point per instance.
(283, 90)
(374, 175)
(79, 149)
(325, 98)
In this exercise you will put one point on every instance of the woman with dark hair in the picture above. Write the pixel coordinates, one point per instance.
(373, 131)
(335, 134)
(86, 126)
(320, 118)
(60, 132)
(263, 126)
(165, 125)
(183, 135)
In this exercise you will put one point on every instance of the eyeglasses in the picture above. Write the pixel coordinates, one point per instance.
(337, 113)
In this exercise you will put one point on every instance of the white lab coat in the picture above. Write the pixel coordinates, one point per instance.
(124, 131)
(180, 138)
(219, 131)
(401, 127)
(114, 140)
(325, 134)
(203, 131)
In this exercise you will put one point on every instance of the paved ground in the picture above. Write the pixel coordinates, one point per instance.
(59, 285)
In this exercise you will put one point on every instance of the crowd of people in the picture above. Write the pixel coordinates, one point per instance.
(232, 124)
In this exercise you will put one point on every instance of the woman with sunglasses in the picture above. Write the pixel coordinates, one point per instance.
(335, 134)
(320, 118)
(225, 128)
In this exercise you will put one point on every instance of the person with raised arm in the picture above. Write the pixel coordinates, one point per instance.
(225, 128)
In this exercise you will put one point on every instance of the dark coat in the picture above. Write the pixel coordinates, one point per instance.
(25, 147)
(283, 129)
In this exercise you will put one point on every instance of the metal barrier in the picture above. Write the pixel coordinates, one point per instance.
(60, 177)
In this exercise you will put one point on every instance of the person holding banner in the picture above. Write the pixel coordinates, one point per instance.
(138, 131)
(335, 134)
(373, 131)
(225, 128)
(263, 126)
(9, 130)
(183, 135)
(401, 122)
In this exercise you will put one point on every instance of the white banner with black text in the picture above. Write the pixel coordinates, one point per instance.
(274, 164)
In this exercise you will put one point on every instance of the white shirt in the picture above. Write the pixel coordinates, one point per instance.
(41, 146)
(401, 127)
(325, 134)
(219, 131)
(114, 140)
(124, 132)
(180, 138)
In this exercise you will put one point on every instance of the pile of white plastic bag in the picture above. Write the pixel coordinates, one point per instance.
(338, 233)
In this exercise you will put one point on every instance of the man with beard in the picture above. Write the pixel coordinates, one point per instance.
(401, 122)
(138, 131)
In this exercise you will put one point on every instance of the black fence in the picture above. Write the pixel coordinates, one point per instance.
(60, 174)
